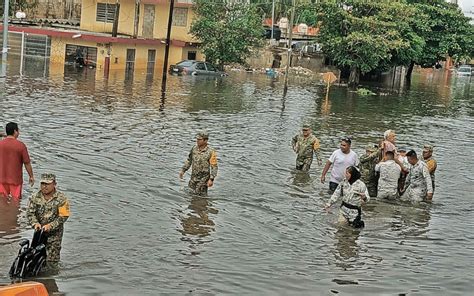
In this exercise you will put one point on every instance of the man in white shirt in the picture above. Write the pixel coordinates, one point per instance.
(389, 174)
(340, 160)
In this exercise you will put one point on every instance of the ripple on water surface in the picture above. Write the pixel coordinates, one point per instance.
(117, 149)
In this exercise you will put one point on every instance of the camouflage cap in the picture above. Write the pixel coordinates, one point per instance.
(371, 148)
(306, 126)
(48, 178)
(202, 135)
(428, 147)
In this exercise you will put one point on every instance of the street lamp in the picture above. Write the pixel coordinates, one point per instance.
(20, 15)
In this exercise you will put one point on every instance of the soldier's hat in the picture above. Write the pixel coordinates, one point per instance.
(428, 147)
(202, 135)
(402, 149)
(371, 147)
(306, 126)
(48, 178)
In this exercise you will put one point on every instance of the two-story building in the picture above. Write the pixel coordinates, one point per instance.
(138, 41)
(141, 33)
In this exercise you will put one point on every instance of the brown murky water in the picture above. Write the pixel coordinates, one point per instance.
(116, 148)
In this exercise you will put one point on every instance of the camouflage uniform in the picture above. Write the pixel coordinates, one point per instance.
(54, 212)
(367, 170)
(431, 164)
(388, 182)
(351, 194)
(204, 167)
(418, 183)
(305, 147)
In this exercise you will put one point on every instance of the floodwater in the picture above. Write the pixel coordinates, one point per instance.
(117, 148)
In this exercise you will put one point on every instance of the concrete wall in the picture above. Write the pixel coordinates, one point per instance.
(264, 59)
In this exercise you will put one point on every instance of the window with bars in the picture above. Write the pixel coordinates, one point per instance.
(105, 12)
(180, 16)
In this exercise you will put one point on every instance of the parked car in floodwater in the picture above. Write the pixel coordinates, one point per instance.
(464, 70)
(191, 67)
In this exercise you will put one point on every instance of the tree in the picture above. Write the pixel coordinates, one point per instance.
(228, 30)
(445, 30)
(365, 35)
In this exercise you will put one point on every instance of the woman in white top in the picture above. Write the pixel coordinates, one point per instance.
(354, 193)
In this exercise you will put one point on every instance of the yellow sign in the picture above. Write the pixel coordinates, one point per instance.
(329, 77)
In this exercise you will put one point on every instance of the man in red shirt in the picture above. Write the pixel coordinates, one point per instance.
(13, 155)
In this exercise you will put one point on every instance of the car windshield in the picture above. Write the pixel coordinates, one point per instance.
(185, 63)
(464, 69)
(210, 67)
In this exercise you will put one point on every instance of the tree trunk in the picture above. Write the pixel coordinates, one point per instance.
(354, 77)
(409, 71)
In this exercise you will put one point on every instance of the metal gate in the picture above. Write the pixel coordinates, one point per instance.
(32, 51)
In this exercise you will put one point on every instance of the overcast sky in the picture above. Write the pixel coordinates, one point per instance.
(466, 5)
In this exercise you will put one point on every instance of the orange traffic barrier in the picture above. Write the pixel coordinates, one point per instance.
(24, 289)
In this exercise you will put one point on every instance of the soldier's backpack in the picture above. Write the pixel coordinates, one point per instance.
(31, 256)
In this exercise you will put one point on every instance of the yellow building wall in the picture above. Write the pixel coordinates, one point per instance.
(177, 32)
(126, 17)
(118, 54)
(186, 49)
(127, 20)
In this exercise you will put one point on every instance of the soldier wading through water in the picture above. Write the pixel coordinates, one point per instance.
(305, 145)
(48, 209)
(202, 160)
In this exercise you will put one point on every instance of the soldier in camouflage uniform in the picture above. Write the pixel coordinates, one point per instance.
(389, 175)
(430, 162)
(48, 209)
(418, 186)
(305, 144)
(367, 168)
(203, 160)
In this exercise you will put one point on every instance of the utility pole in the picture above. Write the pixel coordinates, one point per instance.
(116, 19)
(5, 29)
(137, 18)
(167, 49)
(273, 19)
(3, 66)
(290, 49)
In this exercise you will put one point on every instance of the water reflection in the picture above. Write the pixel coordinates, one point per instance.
(300, 178)
(9, 211)
(196, 221)
(51, 286)
(262, 231)
(411, 220)
(346, 246)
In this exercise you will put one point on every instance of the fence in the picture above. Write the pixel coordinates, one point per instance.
(33, 50)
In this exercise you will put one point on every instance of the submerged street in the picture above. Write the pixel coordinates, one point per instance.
(117, 147)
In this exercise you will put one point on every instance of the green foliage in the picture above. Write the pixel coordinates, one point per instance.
(365, 92)
(370, 35)
(306, 13)
(366, 34)
(264, 7)
(447, 32)
(228, 31)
